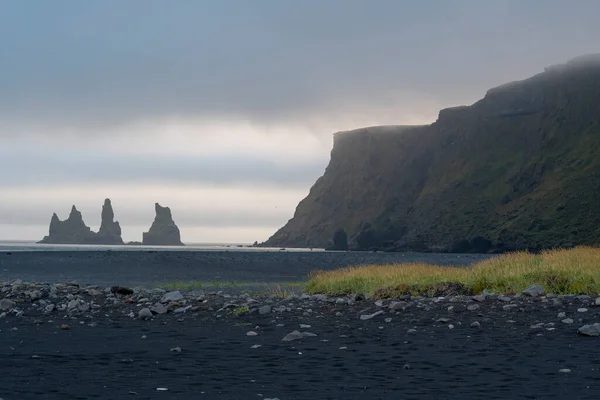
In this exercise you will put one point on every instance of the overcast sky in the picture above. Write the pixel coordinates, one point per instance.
(224, 110)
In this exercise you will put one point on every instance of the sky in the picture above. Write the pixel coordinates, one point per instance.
(224, 110)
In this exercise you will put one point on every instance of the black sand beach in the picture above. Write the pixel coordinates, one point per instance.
(447, 348)
(503, 358)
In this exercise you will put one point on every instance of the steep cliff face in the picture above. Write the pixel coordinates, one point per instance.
(74, 231)
(519, 169)
(163, 230)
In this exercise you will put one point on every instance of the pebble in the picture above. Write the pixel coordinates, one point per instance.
(251, 333)
(567, 321)
(475, 324)
(176, 349)
(172, 296)
(473, 307)
(564, 370)
(294, 335)
(582, 310)
(561, 315)
(365, 317)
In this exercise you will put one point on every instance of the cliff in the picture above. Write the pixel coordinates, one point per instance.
(74, 231)
(163, 230)
(516, 170)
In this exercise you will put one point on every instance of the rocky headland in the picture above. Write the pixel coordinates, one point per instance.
(163, 230)
(516, 170)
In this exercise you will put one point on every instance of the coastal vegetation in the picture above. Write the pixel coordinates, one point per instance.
(572, 271)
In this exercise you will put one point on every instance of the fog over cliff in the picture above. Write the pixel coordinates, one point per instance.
(225, 110)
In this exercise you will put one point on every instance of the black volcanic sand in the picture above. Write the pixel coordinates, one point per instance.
(499, 360)
(141, 268)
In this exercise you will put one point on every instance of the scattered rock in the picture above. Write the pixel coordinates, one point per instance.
(65, 327)
(6, 305)
(171, 296)
(590, 330)
(121, 290)
(176, 349)
(145, 313)
(564, 370)
(534, 291)
(567, 321)
(365, 317)
(264, 310)
(159, 308)
(475, 324)
(251, 333)
(295, 335)
(473, 307)
(582, 310)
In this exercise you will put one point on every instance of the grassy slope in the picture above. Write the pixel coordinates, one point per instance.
(518, 167)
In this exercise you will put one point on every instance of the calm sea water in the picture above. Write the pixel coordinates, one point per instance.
(24, 245)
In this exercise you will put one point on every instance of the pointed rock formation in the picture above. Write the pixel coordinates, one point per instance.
(110, 230)
(163, 231)
(70, 231)
(74, 231)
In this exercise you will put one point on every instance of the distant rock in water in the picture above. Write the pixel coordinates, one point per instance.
(74, 231)
(70, 231)
(163, 231)
(110, 230)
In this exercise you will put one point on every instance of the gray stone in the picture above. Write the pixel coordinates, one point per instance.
(304, 326)
(564, 370)
(35, 295)
(172, 296)
(534, 291)
(561, 315)
(72, 304)
(479, 297)
(251, 333)
(365, 317)
(6, 305)
(582, 310)
(398, 305)
(264, 310)
(49, 308)
(294, 335)
(145, 313)
(505, 299)
(473, 307)
(319, 297)
(475, 324)
(567, 321)
(308, 334)
(590, 330)
(159, 309)
(597, 301)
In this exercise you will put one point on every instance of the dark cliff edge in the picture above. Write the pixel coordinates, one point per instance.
(517, 170)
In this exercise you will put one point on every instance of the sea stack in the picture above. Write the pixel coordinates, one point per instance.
(70, 231)
(163, 231)
(74, 231)
(110, 230)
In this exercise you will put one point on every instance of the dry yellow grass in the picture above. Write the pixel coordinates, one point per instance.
(559, 271)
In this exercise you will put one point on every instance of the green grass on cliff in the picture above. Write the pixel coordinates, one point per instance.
(572, 271)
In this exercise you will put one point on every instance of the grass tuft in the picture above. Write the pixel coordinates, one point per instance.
(575, 271)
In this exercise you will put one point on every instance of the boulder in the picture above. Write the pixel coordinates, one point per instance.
(163, 231)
